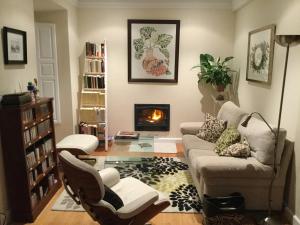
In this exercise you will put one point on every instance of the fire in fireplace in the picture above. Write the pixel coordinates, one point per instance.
(152, 117)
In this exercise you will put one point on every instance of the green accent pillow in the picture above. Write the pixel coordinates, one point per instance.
(212, 128)
(228, 137)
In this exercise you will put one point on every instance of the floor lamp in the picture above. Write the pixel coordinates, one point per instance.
(285, 41)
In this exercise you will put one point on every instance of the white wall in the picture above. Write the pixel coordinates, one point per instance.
(60, 19)
(265, 98)
(16, 14)
(202, 31)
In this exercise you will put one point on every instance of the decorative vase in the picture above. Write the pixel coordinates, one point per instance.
(220, 89)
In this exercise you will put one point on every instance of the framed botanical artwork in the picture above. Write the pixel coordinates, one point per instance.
(260, 54)
(14, 46)
(153, 47)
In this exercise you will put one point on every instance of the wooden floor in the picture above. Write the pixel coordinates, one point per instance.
(49, 217)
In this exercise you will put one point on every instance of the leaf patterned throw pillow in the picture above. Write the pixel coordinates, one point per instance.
(212, 128)
(230, 136)
(241, 150)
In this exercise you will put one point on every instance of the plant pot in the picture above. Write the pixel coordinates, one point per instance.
(220, 88)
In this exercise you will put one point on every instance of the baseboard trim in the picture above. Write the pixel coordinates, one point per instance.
(293, 219)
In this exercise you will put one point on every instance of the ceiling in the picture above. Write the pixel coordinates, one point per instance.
(45, 5)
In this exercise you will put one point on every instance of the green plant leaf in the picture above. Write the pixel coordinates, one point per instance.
(165, 52)
(228, 59)
(196, 66)
(139, 54)
(164, 40)
(138, 44)
(146, 32)
(213, 72)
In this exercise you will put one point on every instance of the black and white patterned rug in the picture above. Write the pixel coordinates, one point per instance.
(169, 176)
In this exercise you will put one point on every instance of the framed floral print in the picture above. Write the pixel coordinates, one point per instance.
(260, 54)
(14, 46)
(153, 47)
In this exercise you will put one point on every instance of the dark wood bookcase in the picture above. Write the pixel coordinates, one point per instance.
(30, 157)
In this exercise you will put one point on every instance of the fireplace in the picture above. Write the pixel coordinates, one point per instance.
(152, 117)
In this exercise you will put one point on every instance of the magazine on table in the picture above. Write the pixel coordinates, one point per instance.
(127, 135)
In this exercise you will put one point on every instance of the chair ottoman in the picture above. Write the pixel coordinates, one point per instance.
(78, 144)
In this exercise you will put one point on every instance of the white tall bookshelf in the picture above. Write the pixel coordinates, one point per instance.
(93, 97)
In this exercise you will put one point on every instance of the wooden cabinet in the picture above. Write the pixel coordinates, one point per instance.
(30, 158)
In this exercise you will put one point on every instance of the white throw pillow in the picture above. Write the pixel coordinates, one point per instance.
(262, 140)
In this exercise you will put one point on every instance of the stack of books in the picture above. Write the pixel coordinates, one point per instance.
(127, 135)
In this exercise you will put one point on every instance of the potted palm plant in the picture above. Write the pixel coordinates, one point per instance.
(214, 71)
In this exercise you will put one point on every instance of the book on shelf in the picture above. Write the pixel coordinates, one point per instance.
(50, 161)
(44, 109)
(97, 130)
(92, 81)
(27, 138)
(127, 135)
(94, 49)
(102, 50)
(30, 134)
(33, 133)
(43, 127)
(41, 192)
(31, 178)
(47, 146)
(30, 159)
(37, 154)
(27, 116)
(44, 166)
(94, 66)
(51, 180)
(34, 199)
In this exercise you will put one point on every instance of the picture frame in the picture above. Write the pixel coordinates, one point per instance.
(260, 54)
(153, 49)
(14, 46)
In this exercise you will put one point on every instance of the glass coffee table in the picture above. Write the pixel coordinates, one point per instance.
(142, 144)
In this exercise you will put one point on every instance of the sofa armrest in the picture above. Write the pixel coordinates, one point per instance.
(110, 176)
(190, 127)
(137, 206)
(230, 167)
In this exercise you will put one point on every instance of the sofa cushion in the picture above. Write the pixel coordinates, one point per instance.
(230, 167)
(231, 113)
(193, 142)
(212, 128)
(228, 137)
(262, 141)
(194, 155)
(190, 127)
(241, 150)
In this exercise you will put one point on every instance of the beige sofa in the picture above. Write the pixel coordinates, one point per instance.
(218, 176)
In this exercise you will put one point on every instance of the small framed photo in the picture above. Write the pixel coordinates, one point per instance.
(153, 48)
(260, 54)
(14, 46)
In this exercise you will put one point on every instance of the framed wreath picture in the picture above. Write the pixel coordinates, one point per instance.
(14, 46)
(153, 47)
(260, 54)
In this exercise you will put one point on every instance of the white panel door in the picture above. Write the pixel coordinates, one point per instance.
(47, 65)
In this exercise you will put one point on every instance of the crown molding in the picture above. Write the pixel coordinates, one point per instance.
(238, 4)
(156, 5)
(73, 2)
